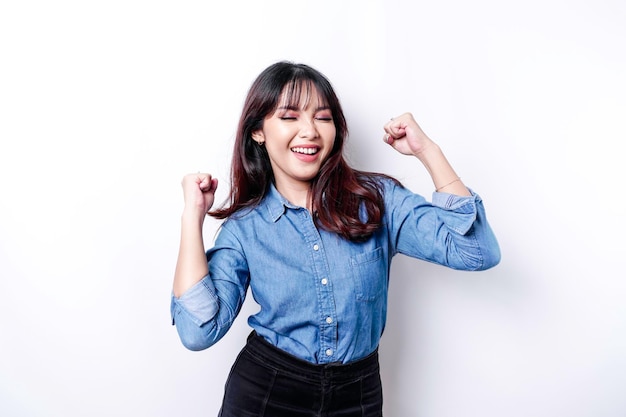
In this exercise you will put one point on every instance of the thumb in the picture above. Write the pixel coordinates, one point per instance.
(214, 183)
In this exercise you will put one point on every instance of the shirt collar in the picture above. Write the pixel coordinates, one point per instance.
(276, 204)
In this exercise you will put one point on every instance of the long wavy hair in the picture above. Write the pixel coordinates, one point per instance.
(337, 193)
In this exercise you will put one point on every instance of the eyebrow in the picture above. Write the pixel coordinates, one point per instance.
(320, 108)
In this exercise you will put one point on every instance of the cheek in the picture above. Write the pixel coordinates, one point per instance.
(330, 132)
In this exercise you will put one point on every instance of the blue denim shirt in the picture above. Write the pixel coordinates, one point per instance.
(323, 298)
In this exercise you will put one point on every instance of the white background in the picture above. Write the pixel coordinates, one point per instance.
(104, 106)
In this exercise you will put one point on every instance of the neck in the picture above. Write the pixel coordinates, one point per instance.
(297, 195)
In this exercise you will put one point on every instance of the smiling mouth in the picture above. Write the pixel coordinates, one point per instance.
(305, 151)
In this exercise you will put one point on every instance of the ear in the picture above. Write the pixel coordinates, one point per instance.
(258, 137)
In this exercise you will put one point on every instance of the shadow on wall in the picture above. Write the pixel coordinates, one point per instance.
(438, 325)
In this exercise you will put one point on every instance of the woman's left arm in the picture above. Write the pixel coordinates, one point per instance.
(405, 136)
(453, 229)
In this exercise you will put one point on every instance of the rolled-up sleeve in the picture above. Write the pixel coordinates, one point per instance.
(451, 231)
(199, 302)
(205, 312)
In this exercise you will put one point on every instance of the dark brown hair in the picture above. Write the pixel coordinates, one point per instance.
(338, 192)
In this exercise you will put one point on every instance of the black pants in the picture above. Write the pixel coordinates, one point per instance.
(268, 382)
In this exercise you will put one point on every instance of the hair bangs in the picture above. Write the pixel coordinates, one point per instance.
(298, 93)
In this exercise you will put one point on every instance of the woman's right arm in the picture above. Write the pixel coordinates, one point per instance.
(205, 312)
(191, 266)
(209, 288)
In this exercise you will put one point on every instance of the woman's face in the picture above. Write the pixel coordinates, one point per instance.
(298, 140)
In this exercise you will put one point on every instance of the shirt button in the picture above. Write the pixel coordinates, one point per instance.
(329, 320)
(316, 247)
(324, 281)
(329, 352)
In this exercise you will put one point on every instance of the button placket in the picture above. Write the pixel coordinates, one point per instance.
(325, 295)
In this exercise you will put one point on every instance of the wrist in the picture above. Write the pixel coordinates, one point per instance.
(192, 216)
(430, 152)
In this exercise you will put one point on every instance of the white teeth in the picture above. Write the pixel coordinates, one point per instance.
(306, 151)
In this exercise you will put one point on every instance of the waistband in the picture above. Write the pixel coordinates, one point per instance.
(280, 360)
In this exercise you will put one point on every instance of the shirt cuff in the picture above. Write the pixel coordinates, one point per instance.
(459, 212)
(199, 302)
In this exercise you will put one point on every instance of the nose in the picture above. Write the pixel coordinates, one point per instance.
(308, 130)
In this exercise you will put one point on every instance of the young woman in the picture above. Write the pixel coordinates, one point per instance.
(314, 239)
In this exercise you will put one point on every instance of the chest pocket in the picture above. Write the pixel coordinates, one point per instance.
(369, 273)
